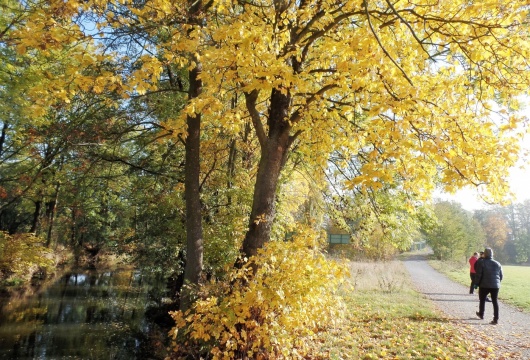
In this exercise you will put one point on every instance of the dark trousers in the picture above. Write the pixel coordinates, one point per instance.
(471, 287)
(482, 294)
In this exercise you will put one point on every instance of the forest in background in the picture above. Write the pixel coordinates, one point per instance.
(459, 233)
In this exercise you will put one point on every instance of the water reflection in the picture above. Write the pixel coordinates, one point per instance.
(84, 315)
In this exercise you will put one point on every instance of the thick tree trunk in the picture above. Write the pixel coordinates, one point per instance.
(274, 151)
(194, 241)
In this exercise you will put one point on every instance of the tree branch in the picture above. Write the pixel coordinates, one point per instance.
(381, 45)
(250, 101)
(296, 116)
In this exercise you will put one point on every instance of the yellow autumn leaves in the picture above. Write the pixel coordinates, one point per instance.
(21, 252)
(275, 313)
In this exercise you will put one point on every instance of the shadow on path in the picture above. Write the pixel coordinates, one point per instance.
(512, 334)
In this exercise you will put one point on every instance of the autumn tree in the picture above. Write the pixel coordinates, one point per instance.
(425, 92)
(323, 65)
(496, 229)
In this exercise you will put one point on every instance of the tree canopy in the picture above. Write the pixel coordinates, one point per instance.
(419, 94)
(425, 92)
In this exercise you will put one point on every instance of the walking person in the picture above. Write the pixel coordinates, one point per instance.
(472, 260)
(488, 278)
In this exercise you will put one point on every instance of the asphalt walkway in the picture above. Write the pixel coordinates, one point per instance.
(511, 335)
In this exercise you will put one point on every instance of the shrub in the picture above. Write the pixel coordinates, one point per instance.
(272, 313)
(23, 254)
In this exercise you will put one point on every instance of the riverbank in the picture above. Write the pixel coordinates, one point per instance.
(22, 281)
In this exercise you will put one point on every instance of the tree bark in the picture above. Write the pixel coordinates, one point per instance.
(51, 207)
(194, 233)
(274, 151)
(36, 215)
(3, 137)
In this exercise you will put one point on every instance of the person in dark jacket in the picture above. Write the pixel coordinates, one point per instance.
(488, 278)
(477, 263)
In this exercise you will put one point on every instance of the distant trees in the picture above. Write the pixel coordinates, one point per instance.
(495, 226)
(518, 219)
(459, 232)
(455, 234)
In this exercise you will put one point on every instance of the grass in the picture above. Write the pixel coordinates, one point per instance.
(515, 287)
(386, 319)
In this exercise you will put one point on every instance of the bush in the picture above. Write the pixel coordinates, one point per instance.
(274, 313)
(21, 255)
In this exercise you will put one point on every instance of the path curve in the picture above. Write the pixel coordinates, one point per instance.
(512, 334)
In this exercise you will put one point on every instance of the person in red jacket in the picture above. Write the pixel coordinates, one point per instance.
(472, 260)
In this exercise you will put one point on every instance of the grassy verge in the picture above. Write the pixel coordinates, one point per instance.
(515, 287)
(386, 319)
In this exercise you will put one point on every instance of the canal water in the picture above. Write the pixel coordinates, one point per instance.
(84, 315)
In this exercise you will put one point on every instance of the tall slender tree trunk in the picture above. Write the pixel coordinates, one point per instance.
(231, 167)
(231, 170)
(194, 233)
(50, 214)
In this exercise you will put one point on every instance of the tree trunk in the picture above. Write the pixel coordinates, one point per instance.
(274, 151)
(231, 170)
(36, 214)
(3, 138)
(50, 214)
(194, 241)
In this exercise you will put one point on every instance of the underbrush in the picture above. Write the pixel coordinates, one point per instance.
(272, 308)
(26, 263)
(299, 306)
(21, 257)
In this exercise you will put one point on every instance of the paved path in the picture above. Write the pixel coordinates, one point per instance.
(512, 334)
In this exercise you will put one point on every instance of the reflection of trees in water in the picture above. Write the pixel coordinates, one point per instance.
(86, 314)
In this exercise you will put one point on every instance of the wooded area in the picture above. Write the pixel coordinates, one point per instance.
(459, 233)
(194, 137)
